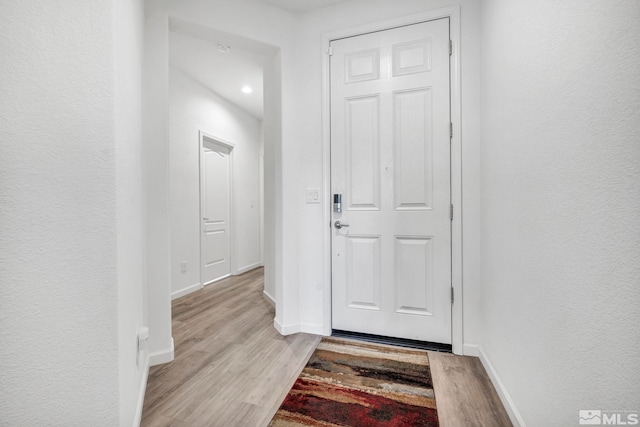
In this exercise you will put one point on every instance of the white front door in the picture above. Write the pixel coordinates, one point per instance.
(215, 203)
(390, 161)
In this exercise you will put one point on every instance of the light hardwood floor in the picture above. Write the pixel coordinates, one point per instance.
(232, 368)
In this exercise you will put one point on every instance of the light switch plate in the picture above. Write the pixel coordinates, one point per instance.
(313, 195)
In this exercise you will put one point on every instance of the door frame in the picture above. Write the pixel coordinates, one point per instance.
(453, 13)
(212, 139)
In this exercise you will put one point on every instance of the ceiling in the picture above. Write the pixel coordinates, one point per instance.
(301, 6)
(194, 50)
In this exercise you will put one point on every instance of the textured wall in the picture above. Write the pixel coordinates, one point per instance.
(58, 257)
(129, 26)
(155, 132)
(272, 196)
(561, 205)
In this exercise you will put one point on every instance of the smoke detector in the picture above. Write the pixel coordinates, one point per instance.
(223, 49)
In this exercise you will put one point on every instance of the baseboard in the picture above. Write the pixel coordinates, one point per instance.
(505, 397)
(470, 350)
(143, 389)
(269, 298)
(198, 286)
(186, 291)
(211, 282)
(161, 357)
(248, 268)
(285, 329)
(298, 328)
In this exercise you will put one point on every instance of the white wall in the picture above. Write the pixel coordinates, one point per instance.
(261, 174)
(128, 34)
(194, 108)
(69, 303)
(155, 128)
(272, 148)
(561, 206)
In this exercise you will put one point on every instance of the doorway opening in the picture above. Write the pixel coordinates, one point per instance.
(391, 166)
(365, 244)
(220, 225)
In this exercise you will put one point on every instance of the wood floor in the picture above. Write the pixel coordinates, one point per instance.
(232, 368)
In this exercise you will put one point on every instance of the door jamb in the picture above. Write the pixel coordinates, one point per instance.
(453, 13)
(202, 137)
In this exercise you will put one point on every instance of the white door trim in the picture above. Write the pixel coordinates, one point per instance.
(203, 138)
(453, 13)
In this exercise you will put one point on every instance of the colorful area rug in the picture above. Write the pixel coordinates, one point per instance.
(352, 383)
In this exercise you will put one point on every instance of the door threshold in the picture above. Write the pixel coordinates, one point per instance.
(400, 342)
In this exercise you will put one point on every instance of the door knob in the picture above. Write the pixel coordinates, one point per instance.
(339, 225)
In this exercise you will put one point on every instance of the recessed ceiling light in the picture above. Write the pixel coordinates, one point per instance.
(247, 89)
(223, 49)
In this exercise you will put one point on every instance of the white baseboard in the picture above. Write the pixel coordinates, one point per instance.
(285, 330)
(269, 298)
(161, 357)
(198, 286)
(186, 291)
(470, 350)
(505, 397)
(297, 328)
(143, 389)
(248, 268)
(211, 282)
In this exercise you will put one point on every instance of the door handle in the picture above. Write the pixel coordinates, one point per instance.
(339, 225)
(205, 219)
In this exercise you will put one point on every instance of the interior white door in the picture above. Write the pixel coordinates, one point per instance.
(390, 160)
(215, 202)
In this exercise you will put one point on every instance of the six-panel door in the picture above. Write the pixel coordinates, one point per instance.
(390, 160)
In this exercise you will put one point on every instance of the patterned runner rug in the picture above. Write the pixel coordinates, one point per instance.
(352, 383)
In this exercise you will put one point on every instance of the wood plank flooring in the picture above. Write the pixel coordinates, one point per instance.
(465, 396)
(232, 368)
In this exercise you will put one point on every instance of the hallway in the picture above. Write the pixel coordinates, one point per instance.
(232, 368)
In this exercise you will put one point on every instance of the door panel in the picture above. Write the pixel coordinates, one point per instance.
(215, 200)
(363, 150)
(414, 267)
(413, 147)
(363, 276)
(390, 160)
